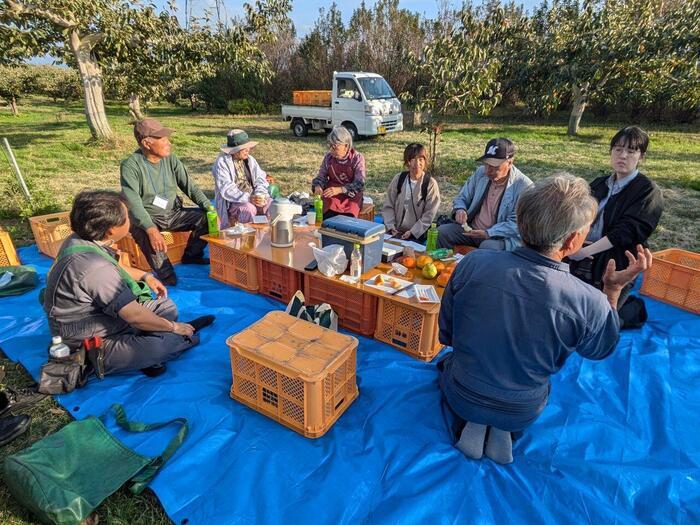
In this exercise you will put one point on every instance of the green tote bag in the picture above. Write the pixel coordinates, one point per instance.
(65, 476)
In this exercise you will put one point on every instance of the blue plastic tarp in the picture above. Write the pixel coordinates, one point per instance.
(616, 444)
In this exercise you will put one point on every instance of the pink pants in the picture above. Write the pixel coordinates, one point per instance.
(245, 211)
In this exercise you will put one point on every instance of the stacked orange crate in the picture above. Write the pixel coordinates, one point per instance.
(278, 282)
(357, 311)
(50, 231)
(298, 373)
(175, 241)
(674, 278)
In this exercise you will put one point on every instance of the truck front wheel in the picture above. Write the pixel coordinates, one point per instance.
(299, 128)
(352, 129)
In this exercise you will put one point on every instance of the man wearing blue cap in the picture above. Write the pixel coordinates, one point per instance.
(484, 211)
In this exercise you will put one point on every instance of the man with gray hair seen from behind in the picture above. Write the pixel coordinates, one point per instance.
(484, 211)
(513, 318)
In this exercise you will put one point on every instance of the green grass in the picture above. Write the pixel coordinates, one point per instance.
(51, 143)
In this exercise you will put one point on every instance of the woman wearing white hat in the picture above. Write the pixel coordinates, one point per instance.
(240, 185)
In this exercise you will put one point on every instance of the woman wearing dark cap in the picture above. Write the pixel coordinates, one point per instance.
(341, 177)
(629, 208)
(413, 197)
(89, 294)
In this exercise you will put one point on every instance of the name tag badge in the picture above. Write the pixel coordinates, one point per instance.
(160, 202)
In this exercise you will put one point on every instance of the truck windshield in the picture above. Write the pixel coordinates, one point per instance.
(376, 87)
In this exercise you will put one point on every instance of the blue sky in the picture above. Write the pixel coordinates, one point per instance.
(305, 12)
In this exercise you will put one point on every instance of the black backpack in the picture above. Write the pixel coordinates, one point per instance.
(423, 187)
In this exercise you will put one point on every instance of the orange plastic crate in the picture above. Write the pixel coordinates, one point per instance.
(298, 373)
(312, 98)
(357, 311)
(674, 277)
(278, 282)
(8, 254)
(175, 241)
(409, 329)
(50, 231)
(367, 212)
(232, 267)
(464, 250)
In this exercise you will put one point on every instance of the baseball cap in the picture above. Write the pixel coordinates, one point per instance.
(497, 151)
(150, 127)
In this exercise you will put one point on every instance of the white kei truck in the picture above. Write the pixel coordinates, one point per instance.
(362, 102)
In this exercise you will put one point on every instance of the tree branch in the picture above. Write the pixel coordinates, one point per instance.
(19, 9)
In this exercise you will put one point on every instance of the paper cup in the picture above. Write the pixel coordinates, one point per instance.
(311, 218)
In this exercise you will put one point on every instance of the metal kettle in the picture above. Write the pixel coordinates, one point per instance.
(282, 211)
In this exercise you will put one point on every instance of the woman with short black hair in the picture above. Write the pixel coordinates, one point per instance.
(629, 209)
(413, 197)
(89, 294)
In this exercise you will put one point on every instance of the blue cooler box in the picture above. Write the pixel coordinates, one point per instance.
(348, 231)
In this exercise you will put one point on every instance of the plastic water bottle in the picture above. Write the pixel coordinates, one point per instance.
(58, 349)
(213, 221)
(441, 253)
(431, 243)
(356, 262)
(274, 188)
(318, 206)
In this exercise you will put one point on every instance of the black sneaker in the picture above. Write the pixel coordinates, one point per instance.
(12, 427)
(201, 322)
(153, 371)
(194, 260)
(170, 280)
(15, 399)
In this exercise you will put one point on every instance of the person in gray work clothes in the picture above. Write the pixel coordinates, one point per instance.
(484, 210)
(150, 178)
(88, 294)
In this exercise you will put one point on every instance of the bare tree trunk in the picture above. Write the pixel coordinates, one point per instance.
(91, 77)
(580, 98)
(13, 107)
(135, 107)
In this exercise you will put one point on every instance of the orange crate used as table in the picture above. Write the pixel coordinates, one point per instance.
(357, 311)
(411, 330)
(278, 282)
(50, 231)
(233, 267)
(298, 373)
(8, 254)
(674, 277)
(175, 241)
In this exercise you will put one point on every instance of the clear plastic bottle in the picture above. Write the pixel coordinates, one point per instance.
(58, 349)
(431, 243)
(356, 262)
(213, 221)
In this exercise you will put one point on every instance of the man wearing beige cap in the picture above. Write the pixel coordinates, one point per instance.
(484, 210)
(241, 190)
(150, 178)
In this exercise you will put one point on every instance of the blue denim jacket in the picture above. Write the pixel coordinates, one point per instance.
(473, 191)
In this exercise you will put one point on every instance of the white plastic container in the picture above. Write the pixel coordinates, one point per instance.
(58, 349)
